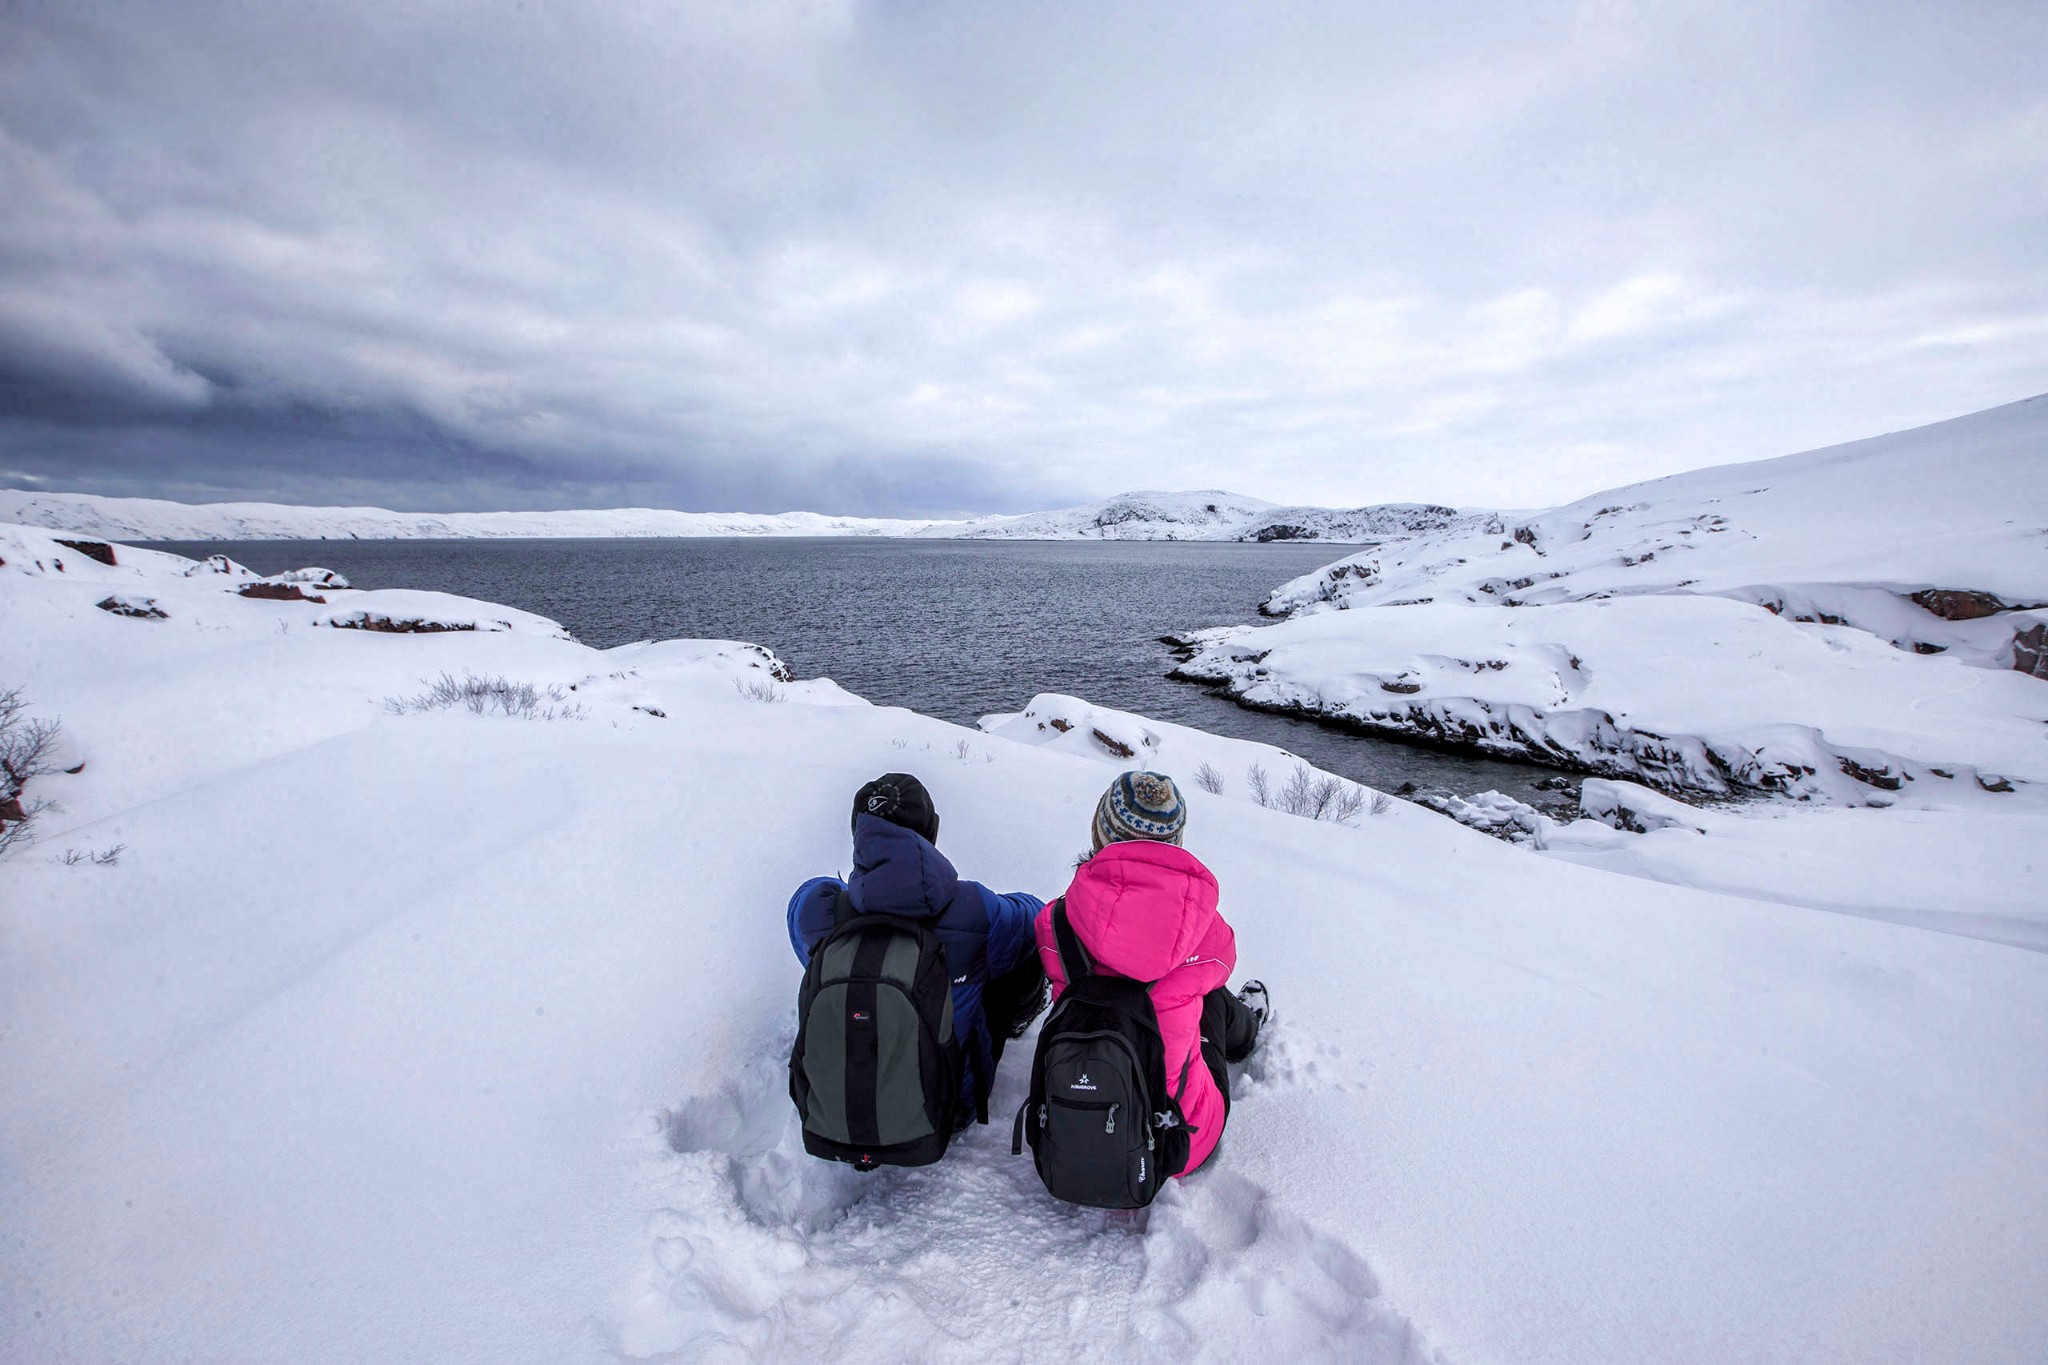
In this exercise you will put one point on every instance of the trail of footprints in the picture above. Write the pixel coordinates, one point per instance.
(760, 1251)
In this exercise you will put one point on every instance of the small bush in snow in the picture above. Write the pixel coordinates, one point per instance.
(72, 857)
(759, 691)
(1261, 785)
(1312, 797)
(1381, 803)
(1209, 780)
(486, 696)
(26, 747)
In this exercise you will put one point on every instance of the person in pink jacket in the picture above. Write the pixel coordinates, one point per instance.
(1145, 908)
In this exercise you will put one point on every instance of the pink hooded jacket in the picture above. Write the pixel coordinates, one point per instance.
(1148, 911)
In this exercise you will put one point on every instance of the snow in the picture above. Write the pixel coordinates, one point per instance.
(1780, 629)
(438, 1035)
(157, 519)
(1702, 695)
(1961, 504)
(1207, 515)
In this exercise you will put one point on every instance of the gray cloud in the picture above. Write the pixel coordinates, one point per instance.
(906, 258)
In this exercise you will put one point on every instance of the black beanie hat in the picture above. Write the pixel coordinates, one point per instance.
(900, 799)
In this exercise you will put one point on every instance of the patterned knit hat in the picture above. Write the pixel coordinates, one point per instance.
(1140, 806)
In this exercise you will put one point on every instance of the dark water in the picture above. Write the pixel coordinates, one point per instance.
(951, 628)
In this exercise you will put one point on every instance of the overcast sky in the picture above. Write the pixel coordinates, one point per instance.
(923, 257)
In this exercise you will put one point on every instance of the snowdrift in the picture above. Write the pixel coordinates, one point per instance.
(415, 1032)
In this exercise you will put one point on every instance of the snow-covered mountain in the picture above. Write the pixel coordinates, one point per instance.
(1866, 624)
(395, 979)
(1129, 516)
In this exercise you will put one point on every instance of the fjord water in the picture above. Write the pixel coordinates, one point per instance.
(952, 628)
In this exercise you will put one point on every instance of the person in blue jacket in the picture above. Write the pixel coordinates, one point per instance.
(998, 984)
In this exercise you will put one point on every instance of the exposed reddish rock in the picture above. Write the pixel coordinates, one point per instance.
(1117, 747)
(1956, 604)
(1882, 779)
(92, 549)
(2030, 651)
(280, 592)
(1061, 725)
(11, 809)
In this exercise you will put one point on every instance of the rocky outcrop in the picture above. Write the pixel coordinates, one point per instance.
(1114, 745)
(91, 549)
(280, 592)
(1957, 604)
(141, 608)
(370, 620)
(2030, 651)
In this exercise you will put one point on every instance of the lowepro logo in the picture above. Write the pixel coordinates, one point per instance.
(1083, 1083)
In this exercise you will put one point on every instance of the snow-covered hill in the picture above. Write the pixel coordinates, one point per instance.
(1870, 611)
(1208, 515)
(1131, 516)
(156, 519)
(338, 1023)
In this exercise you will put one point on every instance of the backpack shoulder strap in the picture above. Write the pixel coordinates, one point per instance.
(842, 906)
(1074, 958)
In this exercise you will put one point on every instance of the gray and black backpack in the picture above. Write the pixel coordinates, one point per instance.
(875, 1072)
(1103, 1127)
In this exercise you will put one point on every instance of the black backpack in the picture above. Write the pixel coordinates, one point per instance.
(1104, 1130)
(875, 1071)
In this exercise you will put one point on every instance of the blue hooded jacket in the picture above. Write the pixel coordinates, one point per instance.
(897, 871)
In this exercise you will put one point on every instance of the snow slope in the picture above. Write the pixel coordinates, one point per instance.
(1867, 610)
(1960, 505)
(409, 1035)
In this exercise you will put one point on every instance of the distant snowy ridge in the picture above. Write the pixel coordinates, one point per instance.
(1209, 515)
(1128, 516)
(1817, 626)
(157, 519)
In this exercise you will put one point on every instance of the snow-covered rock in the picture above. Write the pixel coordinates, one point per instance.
(1706, 695)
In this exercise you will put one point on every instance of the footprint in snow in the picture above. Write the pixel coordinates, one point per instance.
(760, 1251)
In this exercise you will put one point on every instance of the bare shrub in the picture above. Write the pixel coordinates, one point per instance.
(485, 696)
(1310, 795)
(1381, 803)
(26, 749)
(1209, 780)
(759, 691)
(1327, 797)
(107, 857)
